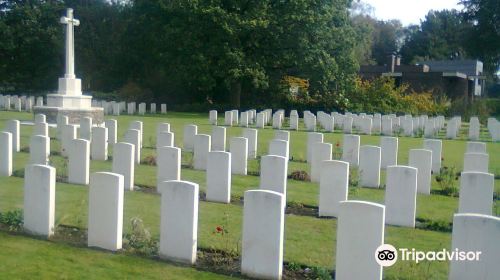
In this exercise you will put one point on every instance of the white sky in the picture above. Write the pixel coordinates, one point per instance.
(409, 11)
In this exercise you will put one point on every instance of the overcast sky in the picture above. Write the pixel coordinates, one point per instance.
(409, 11)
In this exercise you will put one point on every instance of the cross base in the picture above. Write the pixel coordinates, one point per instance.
(68, 101)
(70, 86)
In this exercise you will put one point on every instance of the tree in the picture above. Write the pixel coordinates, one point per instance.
(440, 36)
(375, 39)
(31, 45)
(484, 40)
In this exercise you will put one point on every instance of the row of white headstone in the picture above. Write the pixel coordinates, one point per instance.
(257, 247)
(19, 103)
(117, 108)
(388, 125)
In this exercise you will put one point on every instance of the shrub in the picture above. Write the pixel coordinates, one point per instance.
(299, 175)
(465, 108)
(447, 180)
(139, 240)
(381, 96)
(149, 160)
(12, 219)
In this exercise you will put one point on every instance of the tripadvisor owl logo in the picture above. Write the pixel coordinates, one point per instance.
(386, 255)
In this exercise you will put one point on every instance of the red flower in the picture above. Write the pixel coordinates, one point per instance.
(219, 229)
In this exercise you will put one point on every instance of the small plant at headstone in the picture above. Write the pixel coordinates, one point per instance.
(226, 256)
(353, 181)
(337, 151)
(149, 160)
(80, 222)
(152, 142)
(62, 170)
(300, 175)
(399, 131)
(12, 219)
(320, 273)
(293, 266)
(18, 173)
(447, 180)
(496, 207)
(419, 133)
(139, 239)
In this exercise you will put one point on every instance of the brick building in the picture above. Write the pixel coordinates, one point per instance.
(456, 78)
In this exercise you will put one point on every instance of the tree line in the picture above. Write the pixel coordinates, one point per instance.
(234, 52)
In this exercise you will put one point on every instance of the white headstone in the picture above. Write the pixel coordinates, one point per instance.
(5, 153)
(105, 224)
(401, 195)
(40, 118)
(282, 135)
(476, 147)
(347, 125)
(273, 173)
(212, 116)
(244, 119)
(132, 136)
(162, 127)
(79, 162)
(86, 128)
(474, 128)
(39, 199)
(168, 164)
(238, 146)
(218, 138)
(189, 135)
(124, 163)
(476, 162)
(389, 151)
(333, 187)
(262, 251)
(369, 166)
(13, 126)
(320, 153)
(112, 126)
(139, 126)
(39, 150)
(252, 136)
(68, 135)
(99, 144)
(219, 177)
(261, 120)
(279, 148)
(164, 139)
(201, 149)
(228, 118)
(387, 126)
(475, 233)
(436, 147)
(360, 231)
(41, 129)
(350, 149)
(179, 221)
(476, 193)
(421, 159)
(312, 138)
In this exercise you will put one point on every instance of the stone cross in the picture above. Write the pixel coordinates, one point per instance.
(70, 22)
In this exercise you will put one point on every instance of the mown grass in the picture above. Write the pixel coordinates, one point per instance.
(308, 240)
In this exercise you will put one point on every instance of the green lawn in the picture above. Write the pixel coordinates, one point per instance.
(308, 240)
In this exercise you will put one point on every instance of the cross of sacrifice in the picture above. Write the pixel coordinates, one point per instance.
(70, 22)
